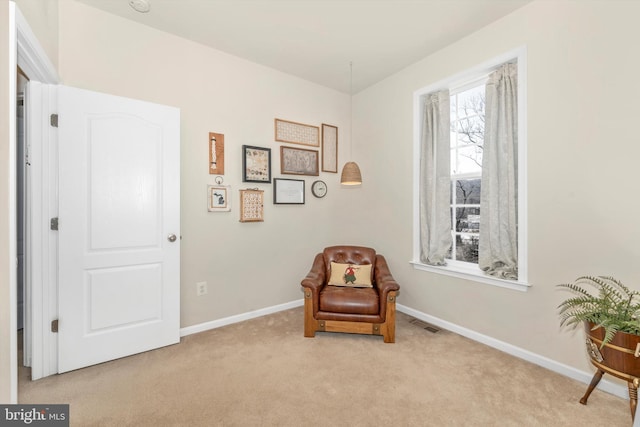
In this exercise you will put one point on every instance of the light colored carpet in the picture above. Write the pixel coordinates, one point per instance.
(263, 372)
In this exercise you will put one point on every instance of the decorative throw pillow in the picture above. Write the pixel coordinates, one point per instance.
(353, 275)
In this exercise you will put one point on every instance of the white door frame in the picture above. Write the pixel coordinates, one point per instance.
(12, 387)
(32, 59)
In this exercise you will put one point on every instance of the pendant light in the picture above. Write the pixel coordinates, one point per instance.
(350, 171)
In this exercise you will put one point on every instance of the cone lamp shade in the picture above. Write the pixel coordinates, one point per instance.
(351, 174)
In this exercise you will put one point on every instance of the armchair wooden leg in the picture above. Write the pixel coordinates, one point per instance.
(389, 326)
(310, 324)
(388, 337)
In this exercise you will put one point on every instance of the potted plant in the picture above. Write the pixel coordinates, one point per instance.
(610, 316)
(614, 308)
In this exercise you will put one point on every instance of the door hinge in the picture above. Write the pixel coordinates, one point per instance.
(54, 325)
(54, 223)
(54, 120)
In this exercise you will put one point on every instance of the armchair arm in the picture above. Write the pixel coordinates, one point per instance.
(384, 280)
(385, 284)
(315, 279)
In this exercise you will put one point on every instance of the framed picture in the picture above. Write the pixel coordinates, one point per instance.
(256, 164)
(251, 205)
(216, 153)
(218, 198)
(297, 133)
(288, 191)
(329, 148)
(298, 161)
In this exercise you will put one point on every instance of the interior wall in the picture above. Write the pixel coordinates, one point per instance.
(247, 266)
(582, 160)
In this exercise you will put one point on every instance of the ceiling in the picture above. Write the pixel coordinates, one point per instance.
(318, 39)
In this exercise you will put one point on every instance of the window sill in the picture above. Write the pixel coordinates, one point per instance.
(472, 273)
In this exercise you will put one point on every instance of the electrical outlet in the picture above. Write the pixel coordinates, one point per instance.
(201, 288)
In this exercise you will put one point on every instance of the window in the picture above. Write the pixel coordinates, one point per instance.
(483, 177)
(467, 138)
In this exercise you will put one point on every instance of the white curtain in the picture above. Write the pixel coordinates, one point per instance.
(498, 248)
(435, 180)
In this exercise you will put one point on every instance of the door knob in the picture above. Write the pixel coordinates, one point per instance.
(171, 238)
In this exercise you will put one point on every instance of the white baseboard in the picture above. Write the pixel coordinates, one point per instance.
(201, 327)
(552, 365)
(545, 362)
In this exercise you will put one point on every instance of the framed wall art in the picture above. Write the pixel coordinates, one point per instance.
(297, 133)
(256, 164)
(216, 153)
(251, 205)
(298, 161)
(218, 198)
(329, 148)
(288, 191)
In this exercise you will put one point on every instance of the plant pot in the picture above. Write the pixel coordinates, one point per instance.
(619, 358)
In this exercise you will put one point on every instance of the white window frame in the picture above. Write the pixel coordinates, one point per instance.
(459, 269)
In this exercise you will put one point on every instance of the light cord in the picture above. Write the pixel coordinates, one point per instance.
(351, 111)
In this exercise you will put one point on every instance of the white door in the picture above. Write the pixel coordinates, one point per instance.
(119, 227)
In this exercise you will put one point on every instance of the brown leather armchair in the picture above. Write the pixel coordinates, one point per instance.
(357, 310)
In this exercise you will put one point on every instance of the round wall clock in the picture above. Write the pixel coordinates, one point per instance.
(319, 188)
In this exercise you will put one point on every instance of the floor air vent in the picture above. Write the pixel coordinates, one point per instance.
(424, 325)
